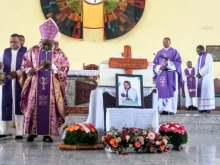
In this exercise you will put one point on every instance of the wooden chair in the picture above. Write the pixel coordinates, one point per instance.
(90, 67)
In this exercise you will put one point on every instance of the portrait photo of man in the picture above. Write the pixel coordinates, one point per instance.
(128, 93)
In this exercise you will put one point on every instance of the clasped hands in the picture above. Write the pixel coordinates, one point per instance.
(164, 66)
(46, 65)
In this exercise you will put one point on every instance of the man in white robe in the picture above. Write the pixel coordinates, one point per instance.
(11, 118)
(205, 86)
(189, 79)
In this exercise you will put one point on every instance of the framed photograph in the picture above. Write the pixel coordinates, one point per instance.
(214, 50)
(129, 91)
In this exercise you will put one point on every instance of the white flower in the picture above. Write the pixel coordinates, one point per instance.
(177, 126)
(166, 126)
(144, 132)
(130, 145)
(165, 141)
(127, 137)
(157, 143)
(119, 139)
(172, 128)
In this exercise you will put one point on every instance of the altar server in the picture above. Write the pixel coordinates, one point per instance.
(44, 80)
(11, 118)
(189, 79)
(205, 86)
(167, 66)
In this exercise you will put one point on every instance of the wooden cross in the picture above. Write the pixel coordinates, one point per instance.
(128, 63)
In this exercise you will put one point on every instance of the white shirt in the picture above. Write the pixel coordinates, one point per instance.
(132, 94)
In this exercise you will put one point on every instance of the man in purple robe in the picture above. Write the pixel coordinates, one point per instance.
(44, 80)
(167, 67)
(11, 118)
(189, 79)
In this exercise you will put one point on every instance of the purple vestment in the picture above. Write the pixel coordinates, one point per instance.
(191, 82)
(200, 66)
(166, 80)
(7, 100)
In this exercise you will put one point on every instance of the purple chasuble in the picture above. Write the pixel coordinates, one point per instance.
(191, 82)
(43, 96)
(200, 66)
(166, 80)
(7, 100)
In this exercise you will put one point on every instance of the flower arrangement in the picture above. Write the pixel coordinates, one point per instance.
(142, 140)
(81, 133)
(176, 132)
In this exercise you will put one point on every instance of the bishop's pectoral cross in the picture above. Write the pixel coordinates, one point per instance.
(128, 63)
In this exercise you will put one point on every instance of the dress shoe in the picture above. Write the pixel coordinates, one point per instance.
(2, 136)
(171, 113)
(18, 137)
(195, 108)
(164, 113)
(47, 139)
(31, 138)
(189, 108)
(207, 111)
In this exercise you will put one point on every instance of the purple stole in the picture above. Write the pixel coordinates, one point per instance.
(191, 83)
(7, 100)
(43, 97)
(199, 87)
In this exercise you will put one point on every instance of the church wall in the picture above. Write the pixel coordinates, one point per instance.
(182, 21)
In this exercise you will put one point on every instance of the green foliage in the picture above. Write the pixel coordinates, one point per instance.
(81, 137)
(175, 138)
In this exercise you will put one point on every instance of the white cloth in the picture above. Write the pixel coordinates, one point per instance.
(96, 110)
(132, 94)
(168, 104)
(83, 72)
(132, 117)
(207, 100)
(189, 100)
(16, 125)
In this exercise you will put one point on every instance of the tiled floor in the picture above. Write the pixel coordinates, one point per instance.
(202, 149)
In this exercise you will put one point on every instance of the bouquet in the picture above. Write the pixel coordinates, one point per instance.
(112, 139)
(176, 132)
(147, 140)
(81, 133)
(142, 140)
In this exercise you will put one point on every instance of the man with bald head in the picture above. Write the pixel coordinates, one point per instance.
(189, 79)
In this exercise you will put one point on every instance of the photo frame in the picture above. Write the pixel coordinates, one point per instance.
(129, 91)
(214, 50)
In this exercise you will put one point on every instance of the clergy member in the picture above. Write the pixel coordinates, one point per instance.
(11, 118)
(189, 79)
(44, 81)
(167, 66)
(22, 40)
(205, 86)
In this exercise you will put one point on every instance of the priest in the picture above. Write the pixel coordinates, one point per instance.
(11, 118)
(44, 81)
(189, 79)
(205, 86)
(167, 67)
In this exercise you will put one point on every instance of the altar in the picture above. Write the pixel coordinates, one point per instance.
(103, 98)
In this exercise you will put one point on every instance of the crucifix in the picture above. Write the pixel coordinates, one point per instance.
(128, 63)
